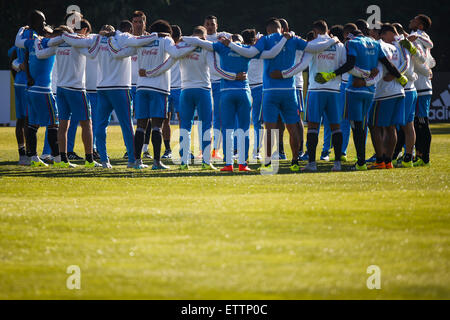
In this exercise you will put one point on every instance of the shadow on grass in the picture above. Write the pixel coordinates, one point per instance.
(441, 129)
(11, 169)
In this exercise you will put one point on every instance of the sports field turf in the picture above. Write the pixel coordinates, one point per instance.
(203, 235)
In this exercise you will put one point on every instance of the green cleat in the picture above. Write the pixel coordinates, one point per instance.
(206, 166)
(361, 168)
(343, 158)
(295, 167)
(37, 162)
(92, 164)
(184, 167)
(265, 168)
(63, 164)
(409, 164)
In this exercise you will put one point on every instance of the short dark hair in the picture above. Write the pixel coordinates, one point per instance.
(249, 36)
(284, 24)
(399, 28)
(350, 27)
(338, 31)
(387, 27)
(362, 25)
(320, 25)
(85, 24)
(176, 32)
(125, 26)
(425, 21)
(274, 22)
(237, 37)
(310, 36)
(139, 13)
(211, 17)
(161, 26)
(199, 29)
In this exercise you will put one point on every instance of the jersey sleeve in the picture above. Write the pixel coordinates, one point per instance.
(212, 60)
(19, 42)
(177, 51)
(41, 52)
(56, 41)
(274, 51)
(197, 42)
(132, 41)
(260, 45)
(317, 46)
(351, 49)
(299, 67)
(158, 70)
(381, 54)
(117, 52)
(77, 41)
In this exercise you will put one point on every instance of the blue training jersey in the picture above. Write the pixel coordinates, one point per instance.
(367, 52)
(21, 76)
(232, 62)
(284, 60)
(40, 69)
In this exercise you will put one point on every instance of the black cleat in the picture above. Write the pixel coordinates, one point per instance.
(73, 156)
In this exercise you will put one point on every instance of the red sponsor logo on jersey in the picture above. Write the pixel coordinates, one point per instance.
(194, 56)
(150, 52)
(65, 52)
(327, 56)
(134, 58)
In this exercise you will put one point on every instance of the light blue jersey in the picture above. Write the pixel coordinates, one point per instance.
(284, 60)
(40, 69)
(367, 52)
(231, 61)
(21, 76)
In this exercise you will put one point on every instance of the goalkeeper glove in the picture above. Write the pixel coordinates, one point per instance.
(323, 77)
(408, 46)
(402, 80)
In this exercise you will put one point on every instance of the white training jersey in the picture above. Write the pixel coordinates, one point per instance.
(54, 78)
(71, 65)
(92, 74)
(214, 75)
(299, 76)
(175, 76)
(391, 89)
(410, 73)
(134, 70)
(194, 69)
(255, 72)
(329, 59)
(424, 45)
(344, 78)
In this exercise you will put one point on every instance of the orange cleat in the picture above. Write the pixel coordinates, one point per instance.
(227, 168)
(215, 155)
(244, 168)
(389, 166)
(377, 165)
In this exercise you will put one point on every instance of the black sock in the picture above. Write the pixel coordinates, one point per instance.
(281, 145)
(148, 132)
(167, 145)
(407, 157)
(400, 143)
(31, 140)
(427, 141)
(359, 140)
(418, 127)
(22, 151)
(312, 139)
(336, 140)
(52, 137)
(156, 142)
(387, 159)
(294, 161)
(63, 157)
(89, 157)
(139, 137)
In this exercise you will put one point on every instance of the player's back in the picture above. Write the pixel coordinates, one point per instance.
(255, 72)
(231, 61)
(71, 67)
(194, 70)
(40, 69)
(115, 73)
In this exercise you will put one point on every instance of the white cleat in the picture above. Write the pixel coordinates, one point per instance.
(139, 165)
(37, 162)
(337, 166)
(106, 165)
(310, 167)
(24, 161)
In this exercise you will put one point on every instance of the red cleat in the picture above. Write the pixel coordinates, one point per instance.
(227, 168)
(244, 168)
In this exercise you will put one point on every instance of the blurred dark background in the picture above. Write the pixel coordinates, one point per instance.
(233, 15)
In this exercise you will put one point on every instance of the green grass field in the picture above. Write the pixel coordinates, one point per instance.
(197, 235)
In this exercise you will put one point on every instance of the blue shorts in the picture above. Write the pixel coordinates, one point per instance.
(389, 112)
(20, 92)
(320, 104)
(73, 104)
(174, 100)
(133, 92)
(150, 104)
(280, 103)
(299, 92)
(423, 106)
(42, 108)
(410, 105)
(357, 105)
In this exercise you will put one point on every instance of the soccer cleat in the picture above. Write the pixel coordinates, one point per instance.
(73, 156)
(337, 166)
(282, 156)
(372, 159)
(389, 165)
(244, 168)
(420, 163)
(409, 164)
(95, 155)
(167, 154)
(140, 165)
(294, 167)
(35, 162)
(147, 155)
(206, 166)
(24, 161)
(44, 156)
(325, 156)
(310, 167)
(64, 165)
(257, 157)
(200, 156)
(360, 168)
(192, 156)
(228, 168)
(266, 168)
(377, 165)
(106, 165)
(125, 155)
(92, 164)
(158, 165)
(303, 157)
(344, 158)
(215, 156)
(184, 167)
